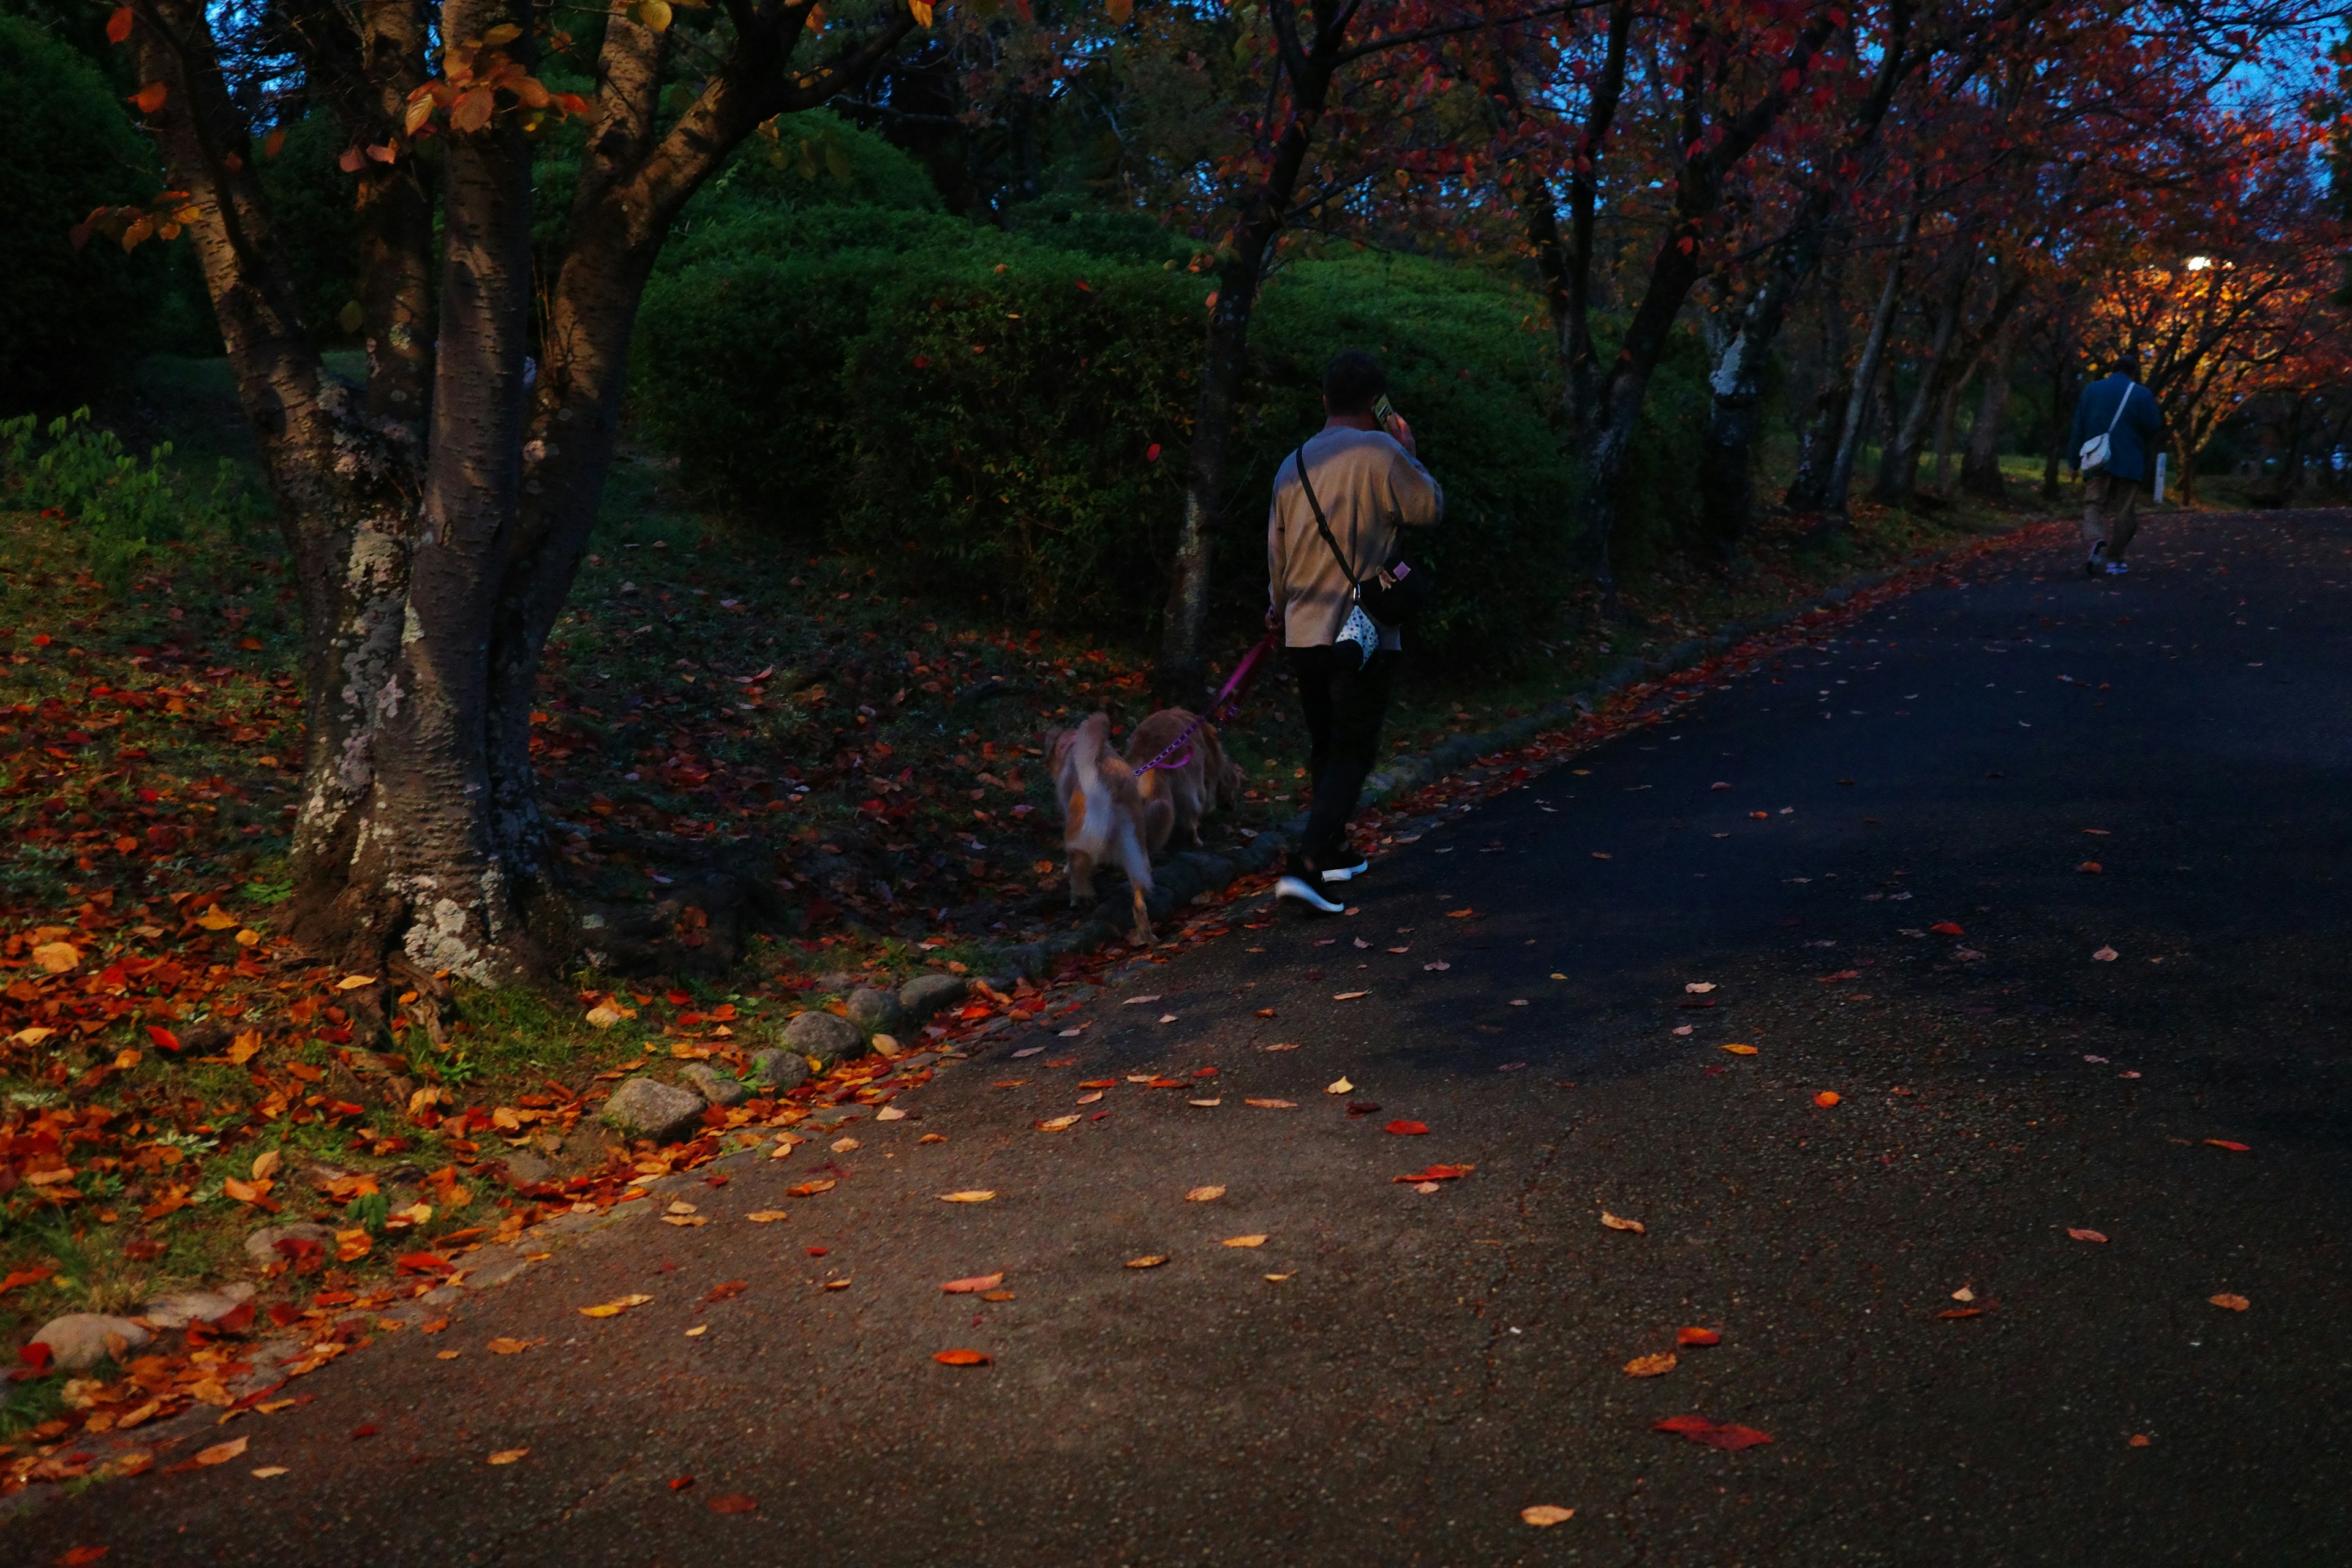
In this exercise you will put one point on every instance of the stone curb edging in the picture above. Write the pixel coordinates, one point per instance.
(1192, 872)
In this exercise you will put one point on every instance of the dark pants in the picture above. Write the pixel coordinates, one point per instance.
(1344, 706)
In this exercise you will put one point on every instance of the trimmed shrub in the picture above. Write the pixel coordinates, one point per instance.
(69, 321)
(1006, 418)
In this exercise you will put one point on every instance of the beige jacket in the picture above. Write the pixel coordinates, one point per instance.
(1370, 487)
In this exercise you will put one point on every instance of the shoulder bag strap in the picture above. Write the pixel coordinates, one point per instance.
(1298, 461)
(2121, 403)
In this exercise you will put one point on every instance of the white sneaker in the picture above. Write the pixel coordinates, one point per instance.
(1347, 873)
(1298, 887)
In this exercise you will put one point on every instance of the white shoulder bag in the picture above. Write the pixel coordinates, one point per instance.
(2100, 448)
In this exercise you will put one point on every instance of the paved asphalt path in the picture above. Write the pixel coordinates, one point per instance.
(1430, 1363)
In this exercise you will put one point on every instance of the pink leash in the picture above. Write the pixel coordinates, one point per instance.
(1228, 700)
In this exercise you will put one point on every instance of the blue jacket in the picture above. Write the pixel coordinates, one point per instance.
(2131, 452)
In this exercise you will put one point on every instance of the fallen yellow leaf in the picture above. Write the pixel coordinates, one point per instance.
(1278, 1278)
(265, 1472)
(222, 1453)
(1153, 1260)
(1741, 1050)
(1544, 1515)
(1058, 1122)
(266, 1164)
(216, 919)
(1272, 1104)
(615, 1308)
(508, 1347)
(1243, 1241)
(1340, 1086)
(57, 957)
(1205, 1194)
(508, 1456)
(350, 981)
(766, 1216)
(977, 1196)
(1613, 1223)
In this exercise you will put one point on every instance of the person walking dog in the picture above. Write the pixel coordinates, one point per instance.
(1332, 544)
(2116, 427)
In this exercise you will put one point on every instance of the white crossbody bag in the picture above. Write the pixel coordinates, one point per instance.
(2100, 448)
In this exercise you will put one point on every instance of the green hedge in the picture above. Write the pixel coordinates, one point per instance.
(1005, 416)
(69, 321)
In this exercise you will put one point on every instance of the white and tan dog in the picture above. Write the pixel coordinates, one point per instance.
(1202, 781)
(1104, 818)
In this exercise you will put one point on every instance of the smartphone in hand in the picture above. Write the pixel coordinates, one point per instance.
(1384, 411)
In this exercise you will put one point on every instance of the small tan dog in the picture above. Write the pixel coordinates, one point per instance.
(1199, 783)
(1105, 817)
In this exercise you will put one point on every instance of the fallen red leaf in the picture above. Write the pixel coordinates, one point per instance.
(734, 1502)
(1725, 1435)
(1407, 1129)
(679, 1483)
(1435, 1174)
(81, 1555)
(360, 1432)
(728, 1291)
(2226, 1144)
(2079, 1235)
(422, 1263)
(163, 1036)
(1699, 1336)
(1946, 928)
(1961, 1312)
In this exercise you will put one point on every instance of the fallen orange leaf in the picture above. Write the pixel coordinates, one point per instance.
(1656, 1366)
(960, 1358)
(508, 1347)
(1407, 1129)
(1150, 1261)
(1205, 1194)
(508, 1456)
(222, 1453)
(974, 1285)
(1741, 1050)
(2084, 1234)
(1243, 1241)
(811, 1189)
(1826, 1098)
(1435, 1174)
(1699, 1336)
(734, 1502)
(2229, 1303)
(978, 1196)
(1614, 1222)
(1544, 1515)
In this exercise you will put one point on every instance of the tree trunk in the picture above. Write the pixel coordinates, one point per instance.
(1946, 408)
(1714, 152)
(1898, 466)
(1727, 483)
(1817, 448)
(1181, 673)
(1866, 374)
(1980, 465)
(433, 545)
